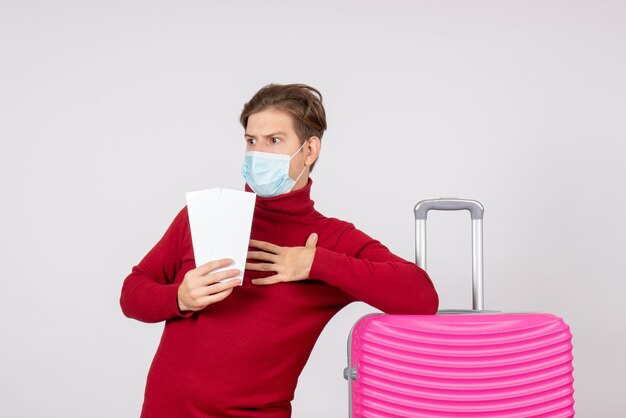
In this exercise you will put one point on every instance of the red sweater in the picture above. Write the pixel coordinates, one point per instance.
(241, 357)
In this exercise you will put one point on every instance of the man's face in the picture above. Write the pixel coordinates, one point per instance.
(271, 130)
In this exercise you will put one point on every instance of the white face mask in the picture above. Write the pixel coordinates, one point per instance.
(267, 174)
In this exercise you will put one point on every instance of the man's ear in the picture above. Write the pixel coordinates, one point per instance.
(312, 150)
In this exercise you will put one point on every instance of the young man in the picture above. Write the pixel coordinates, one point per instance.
(230, 351)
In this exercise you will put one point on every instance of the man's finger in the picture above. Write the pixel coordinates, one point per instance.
(261, 266)
(311, 241)
(265, 246)
(217, 297)
(218, 287)
(220, 275)
(261, 256)
(214, 265)
(267, 280)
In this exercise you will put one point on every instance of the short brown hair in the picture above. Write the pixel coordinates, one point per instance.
(302, 102)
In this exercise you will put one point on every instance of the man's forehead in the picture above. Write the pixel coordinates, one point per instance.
(269, 122)
(269, 134)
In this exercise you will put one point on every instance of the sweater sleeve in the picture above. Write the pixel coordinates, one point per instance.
(149, 293)
(367, 271)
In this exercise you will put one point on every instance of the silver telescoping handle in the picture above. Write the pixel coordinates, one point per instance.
(476, 210)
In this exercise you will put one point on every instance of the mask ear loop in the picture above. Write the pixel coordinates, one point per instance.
(299, 149)
(303, 168)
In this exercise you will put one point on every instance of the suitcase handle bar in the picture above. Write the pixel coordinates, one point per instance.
(476, 210)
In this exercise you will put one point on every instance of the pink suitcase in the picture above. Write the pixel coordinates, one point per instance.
(473, 363)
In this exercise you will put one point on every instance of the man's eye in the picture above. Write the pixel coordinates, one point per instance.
(275, 140)
(251, 141)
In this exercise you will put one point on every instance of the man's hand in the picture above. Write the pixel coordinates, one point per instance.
(201, 287)
(289, 263)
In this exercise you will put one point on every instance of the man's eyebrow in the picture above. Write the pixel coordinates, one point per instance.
(268, 135)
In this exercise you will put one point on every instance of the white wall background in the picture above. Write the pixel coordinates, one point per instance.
(111, 111)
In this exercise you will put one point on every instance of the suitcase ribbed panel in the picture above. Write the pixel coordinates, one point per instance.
(487, 365)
